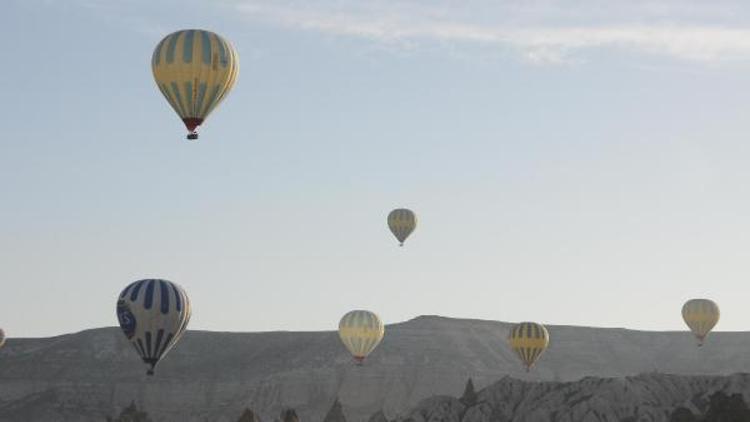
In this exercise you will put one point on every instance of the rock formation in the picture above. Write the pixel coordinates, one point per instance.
(289, 415)
(336, 414)
(213, 376)
(249, 416)
(651, 397)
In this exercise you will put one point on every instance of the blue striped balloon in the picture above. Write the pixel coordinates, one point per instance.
(153, 314)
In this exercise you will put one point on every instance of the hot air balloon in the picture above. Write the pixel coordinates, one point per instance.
(402, 223)
(361, 332)
(195, 70)
(153, 315)
(529, 340)
(2, 338)
(701, 315)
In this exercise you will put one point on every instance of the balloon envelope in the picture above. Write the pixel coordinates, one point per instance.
(194, 70)
(153, 315)
(529, 340)
(361, 331)
(402, 223)
(2, 338)
(701, 316)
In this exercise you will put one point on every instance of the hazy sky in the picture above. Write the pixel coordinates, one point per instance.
(576, 162)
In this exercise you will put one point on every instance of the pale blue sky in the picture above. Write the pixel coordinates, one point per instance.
(573, 164)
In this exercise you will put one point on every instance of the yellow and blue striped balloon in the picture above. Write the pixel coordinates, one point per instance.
(701, 316)
(195, 70)
(361, 331)
(529, 340)
(402, 223)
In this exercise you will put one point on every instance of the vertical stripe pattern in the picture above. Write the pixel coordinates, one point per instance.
(701, 316)
(528, 340)
(361, 331)
(402, 223)
(153, 314)
(189, 64)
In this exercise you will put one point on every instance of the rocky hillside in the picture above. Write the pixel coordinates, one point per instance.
(650, 397)
(212, 376)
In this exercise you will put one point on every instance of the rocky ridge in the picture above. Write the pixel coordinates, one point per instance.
(648, 397)
(94, 374)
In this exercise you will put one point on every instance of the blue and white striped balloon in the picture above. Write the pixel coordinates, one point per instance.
(153, 314)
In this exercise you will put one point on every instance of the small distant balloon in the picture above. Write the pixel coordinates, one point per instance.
(194, 70)
(402, 223)
(529, 340)
(701, 316)
(361, 331)
(153, 314)
(2, 338)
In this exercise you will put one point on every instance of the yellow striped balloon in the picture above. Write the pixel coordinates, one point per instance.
(701, 315)
(402, 223)
(361, 331)
(195, 70)
(529, 340)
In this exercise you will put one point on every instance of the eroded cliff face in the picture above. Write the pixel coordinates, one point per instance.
(650, 397)
(214, 376)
